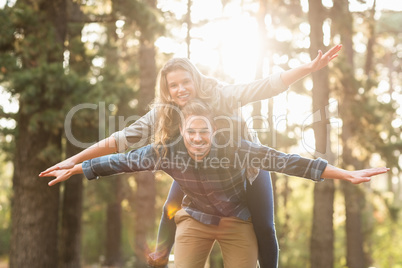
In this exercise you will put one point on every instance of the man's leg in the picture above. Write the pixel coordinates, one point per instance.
(261, 205)
(194, 241)
(238, 243)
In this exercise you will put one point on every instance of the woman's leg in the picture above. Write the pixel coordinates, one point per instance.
(261, 205)
(167, 226)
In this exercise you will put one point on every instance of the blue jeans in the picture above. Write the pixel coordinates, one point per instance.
(261, 205)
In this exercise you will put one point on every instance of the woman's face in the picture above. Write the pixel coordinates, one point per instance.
(181, 86)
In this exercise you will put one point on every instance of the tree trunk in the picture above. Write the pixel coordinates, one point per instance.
(70, 240)
(189, 26)
(146, 189)
(322, 234)
(34, 205)
(114, 224)
(70, 235)
(354, 199)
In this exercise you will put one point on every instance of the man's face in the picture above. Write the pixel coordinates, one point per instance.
(197, 133)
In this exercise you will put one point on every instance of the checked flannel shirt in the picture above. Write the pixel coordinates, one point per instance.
(214, 187)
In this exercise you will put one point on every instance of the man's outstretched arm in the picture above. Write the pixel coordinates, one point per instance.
(355, 177)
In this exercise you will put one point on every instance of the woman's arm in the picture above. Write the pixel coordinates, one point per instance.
(232, 97)
(134, 136)
(63, 174)
(104, 147)
(291, 76)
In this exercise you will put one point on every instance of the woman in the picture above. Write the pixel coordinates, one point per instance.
(179, 82)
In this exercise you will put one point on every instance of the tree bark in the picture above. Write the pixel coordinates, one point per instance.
(34, 204)
(322, 234)
(70, 239)
(146, 188)
(354, 199)
(114, 224)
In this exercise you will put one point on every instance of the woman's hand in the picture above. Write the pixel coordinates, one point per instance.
(104, 147)
(62, 174)
(293, 75)
(322, 60)
(66, 164)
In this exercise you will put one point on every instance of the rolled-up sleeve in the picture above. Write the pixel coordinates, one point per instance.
(318, 167)
(88, 172)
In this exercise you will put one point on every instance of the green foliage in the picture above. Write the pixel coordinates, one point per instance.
(146, 18)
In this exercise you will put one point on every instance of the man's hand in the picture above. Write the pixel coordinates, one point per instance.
(355, 176)
(364, 175)
(62, 174)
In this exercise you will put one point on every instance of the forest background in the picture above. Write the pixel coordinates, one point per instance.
(73, 72)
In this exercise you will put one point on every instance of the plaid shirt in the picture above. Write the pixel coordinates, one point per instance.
(214, 187)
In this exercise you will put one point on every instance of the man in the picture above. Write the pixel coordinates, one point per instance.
(210, 169)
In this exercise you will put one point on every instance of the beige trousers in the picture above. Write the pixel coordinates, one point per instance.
(194, 241)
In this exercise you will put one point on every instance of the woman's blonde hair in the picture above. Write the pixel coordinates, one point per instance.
(168, 112)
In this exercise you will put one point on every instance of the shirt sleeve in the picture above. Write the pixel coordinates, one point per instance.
(136, 160)
(235, 96)
(266, 158)
(137, 134)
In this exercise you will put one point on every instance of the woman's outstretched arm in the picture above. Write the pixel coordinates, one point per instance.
(293, 75)
(103, 147)
(234, 96)
(134, 136)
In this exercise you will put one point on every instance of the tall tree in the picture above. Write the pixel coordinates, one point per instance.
(354, 196)
(322, 234)
(35, 76)
(146, 188)
(144, 16)
(82, 129)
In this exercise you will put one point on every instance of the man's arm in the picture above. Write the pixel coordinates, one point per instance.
(263, 157)
(355, 177)
(136, 160)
